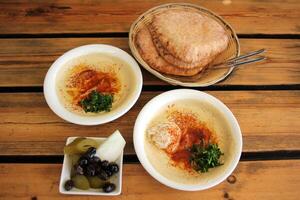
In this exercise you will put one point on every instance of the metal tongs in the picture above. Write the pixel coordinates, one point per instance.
(241, 60)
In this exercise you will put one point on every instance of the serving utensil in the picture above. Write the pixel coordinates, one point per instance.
(229, 65)
(241, 60)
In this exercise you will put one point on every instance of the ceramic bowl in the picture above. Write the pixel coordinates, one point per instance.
(217, 114)
(129, 100)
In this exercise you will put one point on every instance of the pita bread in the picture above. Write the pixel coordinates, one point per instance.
(187, 36)
(150, 55)
(170, 58)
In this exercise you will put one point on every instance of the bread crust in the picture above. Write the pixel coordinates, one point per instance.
(150, 55)
(187, 38)
(170, 58)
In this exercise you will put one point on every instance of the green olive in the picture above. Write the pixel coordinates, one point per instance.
(81, 182)
(95, 182)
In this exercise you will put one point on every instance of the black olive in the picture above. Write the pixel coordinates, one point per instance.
(102, 175)
(98, 168)
(83, 161)
(69, 184)
(113, 167)
(90, 152)
(104, 164)
(95, 159)
(109, 187)
(90, 170)
(79, 169)
(109, 173)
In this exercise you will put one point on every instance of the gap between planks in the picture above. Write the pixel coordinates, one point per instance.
(163, 88)
(133, 159)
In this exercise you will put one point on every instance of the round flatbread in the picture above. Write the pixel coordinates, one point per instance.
(187, 36)
(170, 58)
(150, 55)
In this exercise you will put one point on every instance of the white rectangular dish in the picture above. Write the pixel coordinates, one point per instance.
(66, 172)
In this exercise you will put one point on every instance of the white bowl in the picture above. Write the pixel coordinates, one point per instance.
(160, 102)
(52, 98)
(66, 173)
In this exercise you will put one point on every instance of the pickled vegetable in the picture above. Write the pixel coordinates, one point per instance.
(70, 148)
(73, 171)
(109, 187)
(80, 146)
(90, 171)
(69, 185)
(78, 139)
(81, 182)
(95, 182)
(103, 175)
(74, 158)
(113, 167)
(112, 147)
(90, 152)
(79, 169)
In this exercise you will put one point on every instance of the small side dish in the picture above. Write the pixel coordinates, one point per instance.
(93, 167)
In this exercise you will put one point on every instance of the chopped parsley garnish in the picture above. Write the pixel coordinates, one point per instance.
(97, 102)
(204, 157)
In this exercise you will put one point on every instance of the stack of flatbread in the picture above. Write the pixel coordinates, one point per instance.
(180, 42)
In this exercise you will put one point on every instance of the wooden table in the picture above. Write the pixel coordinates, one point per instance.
(264, 97)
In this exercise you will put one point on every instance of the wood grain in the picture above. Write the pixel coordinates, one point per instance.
(251, 180)
(24, 62)
(46, 17)
(269, 121)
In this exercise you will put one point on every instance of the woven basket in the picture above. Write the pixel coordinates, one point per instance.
(205, 78)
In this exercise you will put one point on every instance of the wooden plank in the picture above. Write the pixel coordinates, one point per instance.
(251, 180)
(269, 121)
(24, 62)
(36, 17)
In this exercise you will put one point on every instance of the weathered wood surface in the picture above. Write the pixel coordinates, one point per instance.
(269, 121)
(251, 180)
(24, 62)
(46, 17)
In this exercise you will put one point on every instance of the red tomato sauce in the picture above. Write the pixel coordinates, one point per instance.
(82, 83)
(193, 132)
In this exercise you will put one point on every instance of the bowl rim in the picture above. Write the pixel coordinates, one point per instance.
(171, 80)
(56, 106)
(139, 145)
